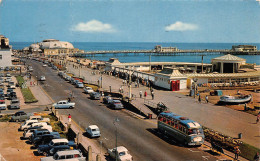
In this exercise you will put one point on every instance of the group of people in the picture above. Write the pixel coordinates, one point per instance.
(206, 98)
(145, 94)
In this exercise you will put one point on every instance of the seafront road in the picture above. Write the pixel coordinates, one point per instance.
(222, 119)
(137, 135)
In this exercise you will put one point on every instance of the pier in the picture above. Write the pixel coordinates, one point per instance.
(169, 53)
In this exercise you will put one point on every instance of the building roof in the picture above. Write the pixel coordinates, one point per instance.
(171, 72)
(225, 75)
(229, 57)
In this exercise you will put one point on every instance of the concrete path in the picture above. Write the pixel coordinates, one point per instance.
(222, 119)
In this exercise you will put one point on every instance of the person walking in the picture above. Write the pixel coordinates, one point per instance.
(206, 99)
(140, 93)
(237, 152)
(69, 118)
(199, 99)
(257, 157)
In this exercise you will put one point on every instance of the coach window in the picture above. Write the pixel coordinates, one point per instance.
(0, 56)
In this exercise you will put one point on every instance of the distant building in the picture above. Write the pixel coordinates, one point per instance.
(244, 48)
(53, 47)
(5, 52)
(161, 49)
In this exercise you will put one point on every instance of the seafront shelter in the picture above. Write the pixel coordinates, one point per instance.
(171, 79)
(227, 64)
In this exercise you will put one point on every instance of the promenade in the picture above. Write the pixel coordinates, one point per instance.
(222, 119)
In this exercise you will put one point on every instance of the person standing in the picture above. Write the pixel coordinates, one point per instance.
(257, 157)
(145, 94)
(140, 93)
(237, 152)
(152, 93)
(199, 99)
(69, 118)
(207, 99)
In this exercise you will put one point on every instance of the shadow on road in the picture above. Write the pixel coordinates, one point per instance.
(171, 141)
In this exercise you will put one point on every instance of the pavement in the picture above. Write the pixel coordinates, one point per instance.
(222, 119)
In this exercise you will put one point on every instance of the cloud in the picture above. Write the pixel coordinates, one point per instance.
(94, 26)
(180, 26)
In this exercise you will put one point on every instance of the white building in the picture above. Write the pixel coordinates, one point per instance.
(171, 78)
(5, 52)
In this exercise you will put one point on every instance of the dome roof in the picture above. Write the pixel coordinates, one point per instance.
(55, 44)
(34, 46)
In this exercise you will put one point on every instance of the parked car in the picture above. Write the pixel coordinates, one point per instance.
(58, 148)
(42, 78)
(15, 104)
(80, 85)
(73, 155)
(95, 95)
(8, 79)
(27, 124)
(11, 85)
(93, 131)
(88, 90)
(120, 153)
(38, 133)
(20, 116)
(12, 96)
(54, 143)
(2, 105)
(27, 133)
(107, 100)
(8, 92)
(44, 65)
(116, 104)
(68, 78)
(64, 104)
(45, 139)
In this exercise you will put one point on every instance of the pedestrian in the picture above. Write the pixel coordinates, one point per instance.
(257, 157)
(245, 107)
(207, 99)
(69, 99)
(145, 94)
(199, 99)
(123, 82)
(69, 118)
(237, 152)
(152, 93)
(135, 85)
(120, 90)
(140, 93)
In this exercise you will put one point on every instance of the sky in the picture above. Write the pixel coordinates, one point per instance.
(198, 21)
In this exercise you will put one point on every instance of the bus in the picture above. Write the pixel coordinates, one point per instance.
(182, 129)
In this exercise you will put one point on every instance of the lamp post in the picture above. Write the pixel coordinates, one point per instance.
(195, 86)
(114, 122)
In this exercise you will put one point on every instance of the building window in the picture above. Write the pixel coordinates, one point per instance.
(0, 56)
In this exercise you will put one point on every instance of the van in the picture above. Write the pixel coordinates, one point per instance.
(27, 124)
(93, 131)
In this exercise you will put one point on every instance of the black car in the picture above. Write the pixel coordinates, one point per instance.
(95, 95)
(45, 139)
(38, 133)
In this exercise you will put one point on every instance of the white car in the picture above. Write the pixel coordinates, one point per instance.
(64, 104)
(88, 90)
(27, 124)
(80, 85)
(29, 132)
(72, 155)
(93, 131)
(42, 78)
(121, 153)
(44, 65)
(2, 105)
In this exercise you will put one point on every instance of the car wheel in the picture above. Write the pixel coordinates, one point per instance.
(17, 120)
(71, 107)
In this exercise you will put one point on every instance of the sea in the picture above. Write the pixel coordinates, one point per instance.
(95, 46)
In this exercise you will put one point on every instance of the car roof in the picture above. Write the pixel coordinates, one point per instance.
(116, 100)
(121, 148)
(68, 152)
(63, 101)
(20, 112)
(60, 140)
(93, 126)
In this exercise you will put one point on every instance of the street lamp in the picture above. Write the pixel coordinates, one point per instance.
(114, 122)
(195, 86)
